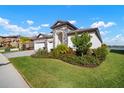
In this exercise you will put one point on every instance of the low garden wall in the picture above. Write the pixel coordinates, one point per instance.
(14, 49)
(2, 50)
(9, 50)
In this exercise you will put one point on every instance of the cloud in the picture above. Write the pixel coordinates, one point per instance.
(3, 21)
(102, 24)
(103, 33)
(7, 25)
(15, 29)
(44, 25)
(72, 21)
(81, 27)
(6, 34)
(30, 22)
(117, 40)
(34, 28)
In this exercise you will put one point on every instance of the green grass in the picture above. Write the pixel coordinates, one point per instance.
(55, 73)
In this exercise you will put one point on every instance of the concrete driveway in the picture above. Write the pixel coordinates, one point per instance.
(19, 54)
(9, 76)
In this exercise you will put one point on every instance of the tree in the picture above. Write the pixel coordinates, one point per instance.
(82, 43)
(23, 41)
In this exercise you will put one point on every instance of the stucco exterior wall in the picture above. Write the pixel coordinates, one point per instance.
(95, 41)
(56, 41)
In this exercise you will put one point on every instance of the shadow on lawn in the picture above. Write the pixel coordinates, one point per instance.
(117, 51)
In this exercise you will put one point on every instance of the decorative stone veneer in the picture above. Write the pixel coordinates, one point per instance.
(64, 30)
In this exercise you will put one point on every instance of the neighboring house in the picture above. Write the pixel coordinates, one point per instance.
(15, 42)
(26, 43)
(9, 41)
(27, 46)
(62, 32)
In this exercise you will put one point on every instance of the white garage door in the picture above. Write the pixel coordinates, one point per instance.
(39, 45)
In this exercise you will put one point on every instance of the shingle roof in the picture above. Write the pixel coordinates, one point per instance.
(10, 36)
(63, 23)
(44, 37)
(89, 30)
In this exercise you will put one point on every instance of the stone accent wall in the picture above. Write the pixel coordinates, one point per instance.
(64, 30)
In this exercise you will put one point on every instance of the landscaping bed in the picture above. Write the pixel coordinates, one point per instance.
(93, 58)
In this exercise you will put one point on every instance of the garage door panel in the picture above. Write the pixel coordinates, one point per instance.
(39, 45)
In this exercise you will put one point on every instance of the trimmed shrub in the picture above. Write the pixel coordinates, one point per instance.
(93, 57)
(40, 53)
(69, 58)
(86, 60)
(70, 51)
(60, 49)
(101, 53)
(7, 49)
(106, 48)
(89, 60)
(89, 52)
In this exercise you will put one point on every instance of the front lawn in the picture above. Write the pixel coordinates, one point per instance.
(44, 72)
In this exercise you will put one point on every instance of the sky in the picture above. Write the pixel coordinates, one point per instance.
(32, 20)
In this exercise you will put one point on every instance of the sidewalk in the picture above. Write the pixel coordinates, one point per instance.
(9, 77)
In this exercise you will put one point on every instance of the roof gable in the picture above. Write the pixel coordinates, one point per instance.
(41, 35)
(62, 23)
